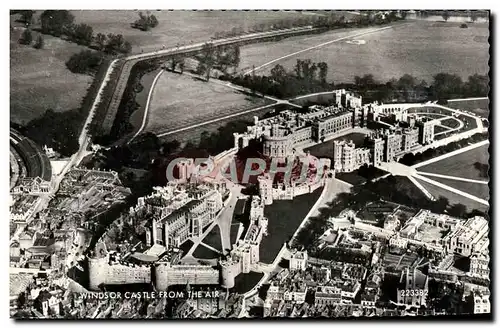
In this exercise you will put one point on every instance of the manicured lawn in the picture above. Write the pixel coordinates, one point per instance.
(461, 165)
(476, 189)
(39, 79)
(452, 197)
(213, 238)
(419, 48)
(477, 106)
(203, 252)
(246, 281)
(284, 218)
(181, 26)
(181, 100)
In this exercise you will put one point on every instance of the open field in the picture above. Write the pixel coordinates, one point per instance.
(477, 106)
(175, 27)
(476, 189)
(419, 48)
(181, 100)
(461, 165)
(325, 149)
(39, 79)
(452, 197)
(284, 218)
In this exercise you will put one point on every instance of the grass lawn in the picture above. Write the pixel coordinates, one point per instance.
(202, 252)
(450, 122)
(213, 238)
(325, 149)
(461, 165)
(181, 100)
(476, 189)
(452, 197)
(438, 129)
(246, 281)
(419, 48)
(284, 218)
(175, 27)
(477, 106)
(39, 79)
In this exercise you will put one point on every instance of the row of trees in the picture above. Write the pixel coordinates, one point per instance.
(27, 39)
(307, 77)
(410, 89)
(61, 23)
(217, 57)
(411, 159)
(328, 20)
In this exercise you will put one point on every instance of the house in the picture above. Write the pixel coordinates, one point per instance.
(413, 288)
(47, 303)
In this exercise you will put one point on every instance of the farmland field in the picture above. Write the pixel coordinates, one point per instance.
(180, 100)
(452, 197)
(39, 79)
(461, 165)
(175, 27)
(477, 106)
(419, 48)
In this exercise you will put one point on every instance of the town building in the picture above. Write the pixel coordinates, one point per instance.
(180, 211)
(298, 260)
(467, 238)
(480, 265)
(413, 288)
(246, 251)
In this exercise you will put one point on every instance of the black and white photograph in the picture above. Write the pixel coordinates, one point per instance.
(250, 164)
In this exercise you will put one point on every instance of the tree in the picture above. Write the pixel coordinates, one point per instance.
(101, 41)
(27, 17)
(153, 21)
(83, 34)
(145, 22)
(473, 15)
(477, 86)
(446, 86)
(117, 44)
(323, 71)
(181, 65)
(458, 210)
(207, 58)
(278, 73)
(39, 42)
(445, 15)
(56, 21)
(26, 37)
(84, 62)
(236, 57)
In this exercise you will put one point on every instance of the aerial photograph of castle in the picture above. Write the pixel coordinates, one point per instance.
(249, 164)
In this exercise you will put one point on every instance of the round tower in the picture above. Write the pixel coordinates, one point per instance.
(98, 271)
(161, 276)
(227, 275)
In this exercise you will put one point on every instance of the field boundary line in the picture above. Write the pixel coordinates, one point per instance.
(453, 190)
(467, 99)
(316, 47)
(145, 117)
(453, 153)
